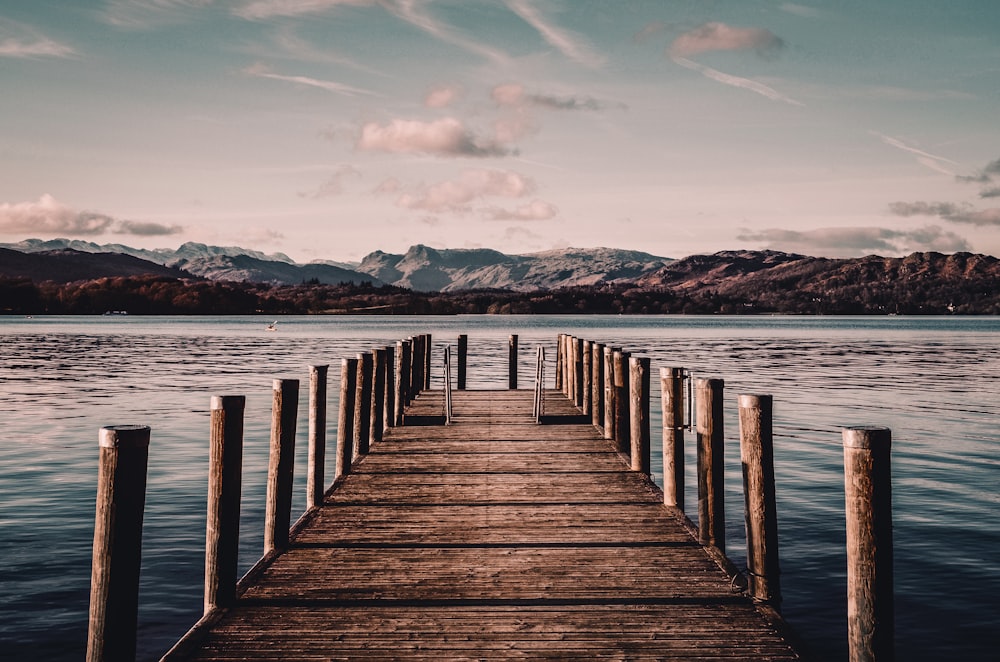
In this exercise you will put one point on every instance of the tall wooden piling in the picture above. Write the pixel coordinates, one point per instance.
(760, 510)
(597, 384)
(317, 435)
(622, 417)
(281, 464)
(868, 500)
(402, 397)
(345, 420)
(428, 354)
(610, 427)
(578, 372)
(416, 366)
(672, 400)
(363, 404)
(117, 553)
(559, 361)
(376, 427)
(225, 477)
(463, 357)
(390, 386)
(711, 469)
(588, 375)
(639, 387)
(512, 361)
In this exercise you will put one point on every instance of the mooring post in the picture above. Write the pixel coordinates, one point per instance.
(559, 361)
(428, 352)
(672, 400)
(567, 352)
(868, 499)
(609, 392)
(587, 387)
(376, 428)
(760, 510)
(623, 426)
(402, 379)
(512, 361)
(281, 464)
(389, 414)
(345, 421)
(711, 469)
(597, 384)
(117, 553)
(317, 435)
(417, 366)
(639, 386)
(225, 477)
(363, 404)
(578, 372)
(463, 353)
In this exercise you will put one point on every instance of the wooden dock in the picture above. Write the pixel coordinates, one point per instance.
(492, 538)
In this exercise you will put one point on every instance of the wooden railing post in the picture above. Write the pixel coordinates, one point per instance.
(416, 366)
(868, 499)
(117, 553)
(639, 386)
(377, 427)
(512, 362)
(402, 379)
(711, 469)
(760, 509)
(317, 435)
(597, 384)
(672, 399)
(363, 404)
(463, 353)
(559, 361)
(428, 352)
(578, 372)
(622, 417)
(345, 420)
(567, 365)
(225, 477)
(586, 386)
(281, 464)
(389, 414)
(609, 392)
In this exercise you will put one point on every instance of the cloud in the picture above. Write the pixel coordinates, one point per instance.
(801, 10)
(21, 42)
(926, 159)
(536, 210)
(721, 37)
(48, 216)
(144, 14)
(442, 96)
(993, 192)
(458, 195)
(264, 9)
(854, 241)
(261, 71)
(736, 81)
(334, 185)
(949, 211)
(567, 43)
(649, 31)
(984, 176)
(514, 95)
(446, 137)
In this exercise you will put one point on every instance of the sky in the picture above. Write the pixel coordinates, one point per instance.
(327, 129)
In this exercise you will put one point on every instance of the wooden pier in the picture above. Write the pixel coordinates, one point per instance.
(490, 538)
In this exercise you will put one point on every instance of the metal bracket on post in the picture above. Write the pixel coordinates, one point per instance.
(686, 376)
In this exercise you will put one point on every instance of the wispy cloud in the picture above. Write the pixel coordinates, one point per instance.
(721, 37)
(948, 211)
(737, 81)
(536, 210)
(265, 9)
(261, 71)
(334, 185)
(457, 195)
(409, 10)
(856, 241)
(514, 95)
(48, 216)
(801, 10)
(144, 14)
(446, 137)
(649, 31)
(442, 96)
(20, 41)
(926, 159)
(572, 46)
(993, 192)
(983, 176)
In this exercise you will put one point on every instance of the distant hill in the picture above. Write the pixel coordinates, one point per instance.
(247, 269)
(431, 270)
(68, 265)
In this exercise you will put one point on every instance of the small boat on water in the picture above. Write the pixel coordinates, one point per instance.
(273, 326)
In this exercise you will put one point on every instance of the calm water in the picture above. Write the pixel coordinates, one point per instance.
(933, 381)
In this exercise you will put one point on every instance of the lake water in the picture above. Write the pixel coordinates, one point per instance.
(934, 381)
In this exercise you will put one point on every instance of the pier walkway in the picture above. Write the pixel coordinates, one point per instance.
(491, 538)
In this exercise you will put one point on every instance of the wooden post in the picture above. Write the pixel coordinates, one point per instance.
(868, 499)
(317, 435)
(760, 509)
(559, 361)
(512, 362)
(225, 476)
(345, 421)
(390, 386)
(377, 426)
(117, 554)
(416, 366)
(623, 427)
(586, 385)
(639, 412)
(672, 399)
(711, 469)
(281, 464)
(597, 384)
(463, 352)
(428, 352)
(609, 392)
(578, 372)
(402, 379)
(363, 404)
